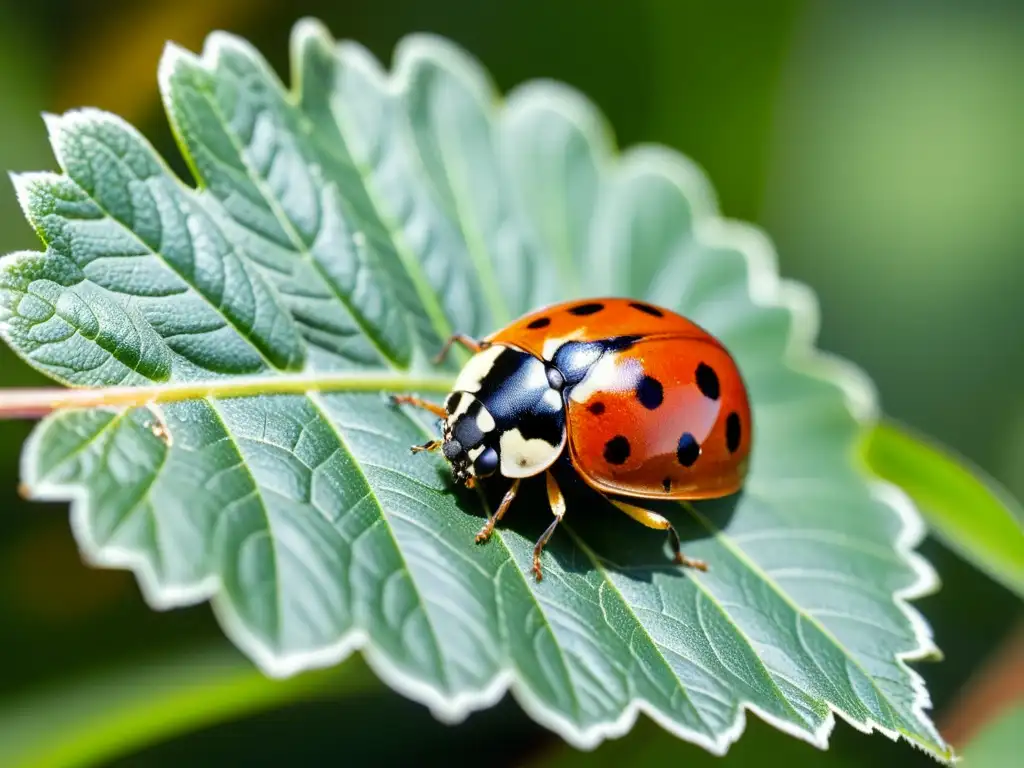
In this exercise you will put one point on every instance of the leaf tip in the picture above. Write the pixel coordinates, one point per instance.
(173, 58)
(58, 126)
(684, 173)
(420, 50)
(221, 41)
(34, 192)
(53, 123)
(568, 103)
(310, 29)
(63, 130)
(22, 183)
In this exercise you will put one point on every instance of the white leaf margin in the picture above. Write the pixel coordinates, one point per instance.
(766, 290)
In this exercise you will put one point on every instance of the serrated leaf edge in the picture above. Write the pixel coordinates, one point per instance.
(766, 288)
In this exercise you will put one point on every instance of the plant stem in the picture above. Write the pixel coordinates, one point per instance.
(36, 403)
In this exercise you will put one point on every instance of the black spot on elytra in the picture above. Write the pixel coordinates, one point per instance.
(667, 484)
(596, 408)
(650, 393)
(652, 311)
(540, 322)
(688, 451)
(586, 309)
(707, 381)
(616, 450)
(733, 432)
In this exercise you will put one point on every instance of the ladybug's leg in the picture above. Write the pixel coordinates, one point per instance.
(426, 405)
(661, 523)
(557, 502)
(458, 338)
(488, 529)
(431, 445)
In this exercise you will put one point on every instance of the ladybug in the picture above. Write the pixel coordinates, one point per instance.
(645, 404)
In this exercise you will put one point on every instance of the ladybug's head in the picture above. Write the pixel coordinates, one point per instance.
(506, 415)
(469, 437)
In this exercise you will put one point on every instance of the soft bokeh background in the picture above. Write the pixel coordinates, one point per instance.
(881, 145)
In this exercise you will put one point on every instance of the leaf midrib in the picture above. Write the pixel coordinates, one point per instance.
(47, 400)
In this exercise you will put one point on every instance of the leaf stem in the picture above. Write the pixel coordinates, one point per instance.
(38, 402)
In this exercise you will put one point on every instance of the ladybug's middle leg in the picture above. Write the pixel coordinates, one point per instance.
(557, 502)
(661, 523)
(488, 529)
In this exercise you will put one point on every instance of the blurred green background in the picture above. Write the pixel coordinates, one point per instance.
(880, 144)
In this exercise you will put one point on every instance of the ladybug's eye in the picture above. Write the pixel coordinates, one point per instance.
(486, 463)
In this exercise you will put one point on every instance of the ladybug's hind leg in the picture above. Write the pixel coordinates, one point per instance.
(557, 502)
(661, 523)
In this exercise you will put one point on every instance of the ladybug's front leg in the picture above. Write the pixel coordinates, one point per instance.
(426, 405)
(430, 445)
(468, 342)
(419, 402)
(661, 523)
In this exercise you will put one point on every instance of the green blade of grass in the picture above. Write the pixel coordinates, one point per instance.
(113, 714)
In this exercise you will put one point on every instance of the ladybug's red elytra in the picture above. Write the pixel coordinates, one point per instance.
(647, 404)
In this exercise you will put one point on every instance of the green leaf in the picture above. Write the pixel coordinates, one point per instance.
(968, 510)
(112, 714)
(342, 229)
